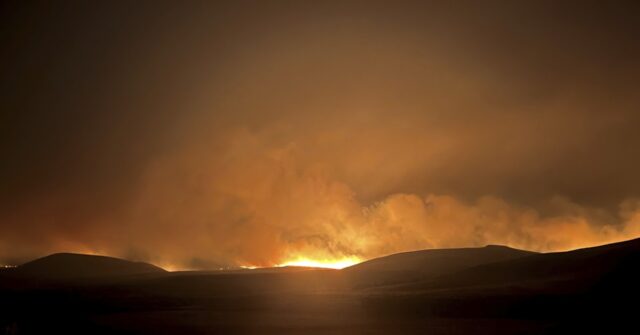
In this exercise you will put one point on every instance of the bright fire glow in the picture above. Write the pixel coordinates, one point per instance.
(323, 263)
(248, 267)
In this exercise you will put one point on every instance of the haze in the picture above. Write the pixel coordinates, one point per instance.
(203, 135)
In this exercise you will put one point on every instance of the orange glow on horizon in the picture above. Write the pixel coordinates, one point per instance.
(340, 263)
(248, 267)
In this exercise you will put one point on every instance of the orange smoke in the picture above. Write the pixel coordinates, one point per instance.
(344, 131)
(256, 203)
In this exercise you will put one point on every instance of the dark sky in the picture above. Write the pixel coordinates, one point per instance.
(198, 134)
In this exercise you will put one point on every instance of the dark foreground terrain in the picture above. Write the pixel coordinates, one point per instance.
(490, 290)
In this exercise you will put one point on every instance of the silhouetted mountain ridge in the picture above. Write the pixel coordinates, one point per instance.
(70, 265)
(592, 262)
(493, 290)
(610, 266)
(421, 264)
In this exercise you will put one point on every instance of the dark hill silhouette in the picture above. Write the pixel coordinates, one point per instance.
(423, 264)
(580, 291)
(490, 290)
(577, 266)
(69, 265)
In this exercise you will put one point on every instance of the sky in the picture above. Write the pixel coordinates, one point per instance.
(200, 134)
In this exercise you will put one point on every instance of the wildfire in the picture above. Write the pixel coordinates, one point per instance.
(340, 263)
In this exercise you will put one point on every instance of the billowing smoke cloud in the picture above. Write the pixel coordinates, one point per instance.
(260, 205)
(316, 130)
(255, 203)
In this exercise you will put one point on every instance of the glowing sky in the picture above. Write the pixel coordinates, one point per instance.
(206, 135)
